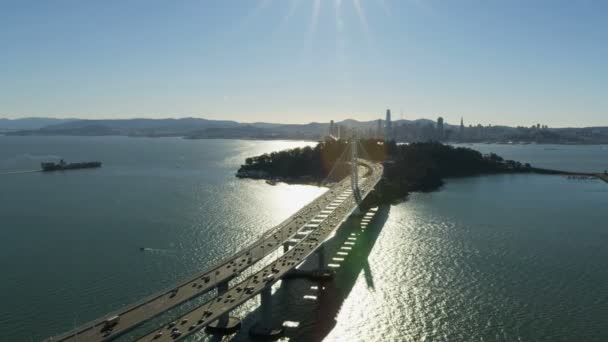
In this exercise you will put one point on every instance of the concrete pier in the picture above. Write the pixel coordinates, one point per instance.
(321, 257)
(265, 328)
(225, 324)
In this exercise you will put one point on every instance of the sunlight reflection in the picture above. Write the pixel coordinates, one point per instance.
(314, 19)
(384, 7)
(293, 5)
(362, 18)
(291, 324)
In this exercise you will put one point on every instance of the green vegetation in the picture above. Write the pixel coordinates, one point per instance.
(413, 167)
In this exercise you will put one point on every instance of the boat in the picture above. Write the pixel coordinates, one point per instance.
(271, 182)
(62, 165)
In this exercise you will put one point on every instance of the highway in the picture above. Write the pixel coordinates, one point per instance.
(289, 231)
(313, 234)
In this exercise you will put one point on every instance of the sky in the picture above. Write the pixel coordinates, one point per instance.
(296, 61)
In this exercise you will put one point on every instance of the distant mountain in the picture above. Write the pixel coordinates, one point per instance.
(197, 128)
(30, 123)
(130, 127)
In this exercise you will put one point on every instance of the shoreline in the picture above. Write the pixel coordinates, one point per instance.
(308, 180)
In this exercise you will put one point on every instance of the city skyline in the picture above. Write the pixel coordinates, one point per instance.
(298, 62)
(379, 119)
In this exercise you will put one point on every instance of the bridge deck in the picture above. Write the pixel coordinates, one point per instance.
(336, 212)
(136, 314)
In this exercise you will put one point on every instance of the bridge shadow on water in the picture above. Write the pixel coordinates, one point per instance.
(307, 308)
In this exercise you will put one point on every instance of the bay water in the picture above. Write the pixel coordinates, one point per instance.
(492, 258)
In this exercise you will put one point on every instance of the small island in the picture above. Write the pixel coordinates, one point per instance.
(407, 167)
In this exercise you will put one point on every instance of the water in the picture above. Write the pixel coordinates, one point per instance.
(576, 158)
(497, 258)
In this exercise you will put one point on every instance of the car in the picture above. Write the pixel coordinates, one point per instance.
(158, 335)
(110, 323)
(184, 321)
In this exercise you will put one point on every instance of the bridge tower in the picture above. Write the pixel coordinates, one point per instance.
(354, 173)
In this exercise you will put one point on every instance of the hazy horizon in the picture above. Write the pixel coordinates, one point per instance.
(501, 63)
(277, 122)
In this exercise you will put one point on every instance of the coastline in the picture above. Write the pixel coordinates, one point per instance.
(384, 187)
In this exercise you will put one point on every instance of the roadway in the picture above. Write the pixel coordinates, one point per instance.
(311, 237)
(131, 316)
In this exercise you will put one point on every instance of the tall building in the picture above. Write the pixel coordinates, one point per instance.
(461, 132)
(440, 133)
(388, 127)
(332, 128)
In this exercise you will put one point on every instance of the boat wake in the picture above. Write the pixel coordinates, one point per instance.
(18, 172)
(157, 250)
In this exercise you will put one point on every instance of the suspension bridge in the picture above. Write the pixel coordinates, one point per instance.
(298, 237)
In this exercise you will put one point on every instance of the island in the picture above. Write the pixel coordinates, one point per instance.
(407, 167)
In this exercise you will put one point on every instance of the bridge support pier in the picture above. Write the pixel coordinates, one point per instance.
(321, 257)
(265, 328)
(225, 324)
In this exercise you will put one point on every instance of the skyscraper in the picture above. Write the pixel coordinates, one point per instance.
(461, 132)
(440, 133)
(332, 129)
(388, 128)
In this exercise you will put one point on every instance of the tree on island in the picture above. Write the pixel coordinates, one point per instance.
(407, 167)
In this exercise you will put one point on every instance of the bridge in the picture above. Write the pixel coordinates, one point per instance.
(299, 236)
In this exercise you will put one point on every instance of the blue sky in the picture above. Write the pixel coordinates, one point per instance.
(493, 62)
